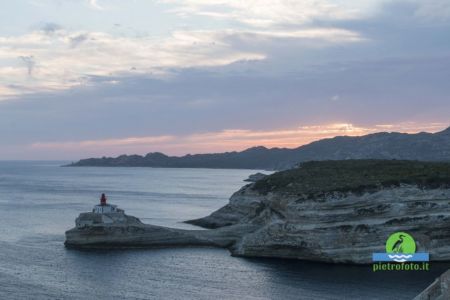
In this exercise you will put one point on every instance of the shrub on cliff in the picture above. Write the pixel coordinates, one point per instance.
(318, 177)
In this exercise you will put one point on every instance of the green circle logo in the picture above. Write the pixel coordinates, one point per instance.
(400, 242)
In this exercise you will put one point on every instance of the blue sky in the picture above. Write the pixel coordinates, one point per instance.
(82, 78)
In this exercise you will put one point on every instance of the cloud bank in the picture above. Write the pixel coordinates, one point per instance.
(232, 74)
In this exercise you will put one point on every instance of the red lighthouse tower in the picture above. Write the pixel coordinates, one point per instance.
(106, 208)
(103, 199)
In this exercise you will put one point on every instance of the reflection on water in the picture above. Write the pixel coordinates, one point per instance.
(39, 201)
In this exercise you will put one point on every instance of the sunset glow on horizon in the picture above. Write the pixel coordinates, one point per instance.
(224, 141)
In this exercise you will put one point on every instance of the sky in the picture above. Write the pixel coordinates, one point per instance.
(87, 78)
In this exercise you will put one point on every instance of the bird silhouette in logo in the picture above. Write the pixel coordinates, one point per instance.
(398, 245)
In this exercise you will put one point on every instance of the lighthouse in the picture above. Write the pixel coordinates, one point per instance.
(104, 207)
(102, 214)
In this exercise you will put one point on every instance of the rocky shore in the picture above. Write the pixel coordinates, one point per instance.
(333, 211)
(130, 232)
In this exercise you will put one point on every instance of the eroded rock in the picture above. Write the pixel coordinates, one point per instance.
(338, 212)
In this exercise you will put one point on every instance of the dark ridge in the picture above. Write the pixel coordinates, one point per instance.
(421, 146)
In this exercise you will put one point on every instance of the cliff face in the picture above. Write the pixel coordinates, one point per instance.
(348, 218)
(341, 227)
(438, 290)
(335, 211)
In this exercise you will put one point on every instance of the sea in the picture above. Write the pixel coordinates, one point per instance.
(39, 201)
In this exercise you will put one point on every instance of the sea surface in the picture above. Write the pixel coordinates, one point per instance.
(39, 201)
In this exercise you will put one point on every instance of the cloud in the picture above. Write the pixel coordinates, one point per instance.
(135, 141)
(335, 98)
(29, 63)
(328, 35)
(7, 91)
(50, 28)
(66, 59)
(265, 13)
(69, 59)
(95, 5)
(433, 10)
(78, 39)
(415, 13)
(247, 97)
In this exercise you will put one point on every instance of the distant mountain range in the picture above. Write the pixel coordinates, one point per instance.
(421, 146)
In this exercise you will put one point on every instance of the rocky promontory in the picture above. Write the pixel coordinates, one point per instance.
(329, 211)
(126, 231)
